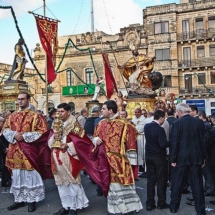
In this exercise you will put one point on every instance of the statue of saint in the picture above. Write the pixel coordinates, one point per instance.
(136, 70)
(97, 89)
(120, 101)
(17, 72)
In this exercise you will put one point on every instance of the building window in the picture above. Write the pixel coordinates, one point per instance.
(199, 24)
(187, 56)
(211, 22)
(212, 104)
(162, 54)
(72, 105)
(200, 51)
(186, 29)
(167, 81)
(212, 50)
(69, 77)
(89, 75)
(201, 78)
(161, 27)
(212, 79)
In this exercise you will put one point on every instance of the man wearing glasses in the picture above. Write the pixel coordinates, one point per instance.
(26, 126)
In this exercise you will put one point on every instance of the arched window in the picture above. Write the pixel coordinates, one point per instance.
(72, 108)
(50, 106)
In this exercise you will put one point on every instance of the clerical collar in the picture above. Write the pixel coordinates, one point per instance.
(28, 108)
(114, 116)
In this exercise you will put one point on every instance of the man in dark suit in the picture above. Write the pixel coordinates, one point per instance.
(156, 162)
(187, 156)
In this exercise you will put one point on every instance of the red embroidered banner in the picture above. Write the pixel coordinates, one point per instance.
(109, 79)
(47, 29)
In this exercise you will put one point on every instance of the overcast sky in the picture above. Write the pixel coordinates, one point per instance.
(109, 16)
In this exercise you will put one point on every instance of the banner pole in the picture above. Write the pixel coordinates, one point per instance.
(46, 75)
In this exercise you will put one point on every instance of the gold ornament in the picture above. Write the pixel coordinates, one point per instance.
(57, 127)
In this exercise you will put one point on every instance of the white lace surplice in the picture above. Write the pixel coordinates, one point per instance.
(27, 185)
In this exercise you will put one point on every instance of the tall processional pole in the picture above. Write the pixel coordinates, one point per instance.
(92, 17)
(46, 77)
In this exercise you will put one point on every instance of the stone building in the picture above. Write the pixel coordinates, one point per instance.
(180, 36)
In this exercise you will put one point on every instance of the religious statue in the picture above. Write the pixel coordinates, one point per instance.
(120, 101)
(171, 101)
(17, 72)
(97, 89)
(137, 70)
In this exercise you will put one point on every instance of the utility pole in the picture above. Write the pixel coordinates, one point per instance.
(46, 77)
(92, 17)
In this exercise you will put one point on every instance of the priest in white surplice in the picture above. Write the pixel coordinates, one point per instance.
(23, 127)
(138, 121)
(66, 166)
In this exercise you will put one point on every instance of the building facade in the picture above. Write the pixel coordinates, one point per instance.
(180, 36)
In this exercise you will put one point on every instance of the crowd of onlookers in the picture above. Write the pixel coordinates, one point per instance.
(151, 152)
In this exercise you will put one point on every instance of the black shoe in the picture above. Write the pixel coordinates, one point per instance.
(191, 203)
(16, 205)
(173, 211)
(185, 191)
(163, 206)
(190, 199)
(31, 207)
(149, 208)
(143, 175)
(212, 202)
(62, 211)
(72, 212)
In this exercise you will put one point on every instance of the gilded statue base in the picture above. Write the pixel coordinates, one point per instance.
(142, 103)
(9, 92)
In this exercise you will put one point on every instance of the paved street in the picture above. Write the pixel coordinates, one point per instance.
(97, 205)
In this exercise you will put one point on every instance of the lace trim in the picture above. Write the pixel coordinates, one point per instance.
(26, 194)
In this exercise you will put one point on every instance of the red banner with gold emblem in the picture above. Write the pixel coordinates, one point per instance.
(47, 29)
(109, 79)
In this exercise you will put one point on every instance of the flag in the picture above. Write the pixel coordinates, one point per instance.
(109, 79)
(47, 29)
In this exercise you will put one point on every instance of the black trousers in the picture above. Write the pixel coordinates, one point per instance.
(194, 173)
(157, 173)
(6, 177)
(207, 173)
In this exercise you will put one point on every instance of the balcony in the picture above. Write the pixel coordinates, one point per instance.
(197, 63)
(50, 90)
(196, 35)
(201, 90)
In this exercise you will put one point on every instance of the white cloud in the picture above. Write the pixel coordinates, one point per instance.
(115, 14)
(20, 7)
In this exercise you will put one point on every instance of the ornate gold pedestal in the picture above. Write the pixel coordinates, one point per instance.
(9, 92)
(142, 103)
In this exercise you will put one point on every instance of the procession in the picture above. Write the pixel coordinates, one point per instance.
(110, 123)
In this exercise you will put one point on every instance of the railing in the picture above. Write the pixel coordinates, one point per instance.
(197, 90)
(196, 35)
(198, 62)
(50, 90)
